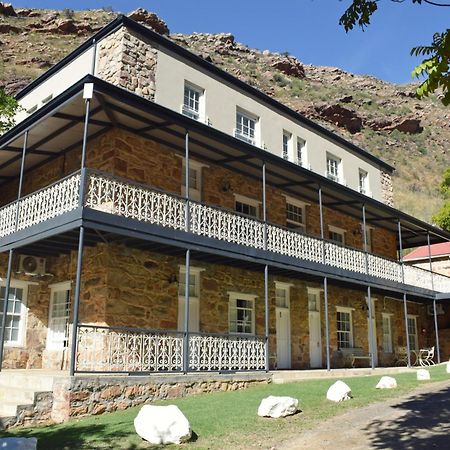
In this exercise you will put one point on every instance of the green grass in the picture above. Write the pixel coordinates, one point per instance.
(225, 420)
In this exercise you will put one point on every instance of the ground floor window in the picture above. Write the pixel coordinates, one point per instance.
(241, 313)
(412, 333)
(344, 327)
(387, 333)
(58, 320)
(16, 312)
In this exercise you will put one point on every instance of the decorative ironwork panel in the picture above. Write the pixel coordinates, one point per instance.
(8, 219)
(418, 277)
(345, 258)
(384, 268)
(222, 353)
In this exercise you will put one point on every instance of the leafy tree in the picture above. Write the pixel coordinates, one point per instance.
(434, 69)
(8, 108)
(442, 217)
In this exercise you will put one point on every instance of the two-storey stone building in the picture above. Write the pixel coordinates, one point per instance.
(159, 215)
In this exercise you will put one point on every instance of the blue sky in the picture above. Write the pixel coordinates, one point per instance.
(307, 29)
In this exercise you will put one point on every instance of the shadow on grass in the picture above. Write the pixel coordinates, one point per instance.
(424, 423)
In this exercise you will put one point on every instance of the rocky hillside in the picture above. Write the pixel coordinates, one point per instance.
(384, 118)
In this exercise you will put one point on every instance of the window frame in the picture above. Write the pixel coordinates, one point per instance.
(303, 160)
(338, 231)
(24, 285)
(249, 202)
(331, 176)
(65, 286)
(388, 347)
(286, 287)
(239, 127)
(233, 297)
(316, 292)
(297, 226)
(286, 149)
(364, 187)
(416, 336)
(186, 110)
(345, 310)
(194, 300)
(194, 193)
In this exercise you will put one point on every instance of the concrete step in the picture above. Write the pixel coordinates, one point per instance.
(8, 409)
(39, 382)
(15, 394)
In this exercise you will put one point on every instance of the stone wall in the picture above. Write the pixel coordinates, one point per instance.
(387, 188)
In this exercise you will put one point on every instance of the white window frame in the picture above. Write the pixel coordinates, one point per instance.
(369, 237)
(239, 127)
(247, 201)
(363, 182)
(301, 150)
(24, 285)
(345, 310)
(316, 292)
(338, 231)
(232, 298)
(286, 149)
(387, 337)
(298, 204)
(189, 111)
(416, 336)
(194, 193)
(334, 175)
(286, 287)
(57, 287)
(194, 300)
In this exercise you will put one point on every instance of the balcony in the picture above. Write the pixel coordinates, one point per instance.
(128, 199)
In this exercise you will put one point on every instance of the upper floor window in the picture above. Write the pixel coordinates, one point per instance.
(333, 168)
(301, 152)
(363, 182)
(246, 127)
(247, 206)
(336, 234)
(287, 139)
(192, 103)
(295, 214)
(195, 180)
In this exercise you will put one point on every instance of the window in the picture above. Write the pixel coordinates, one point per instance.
(287, 139)
(314, 299)
(282, 291)
(412, 332)
(295, 214)
(301, 152)
(242, 313)
(245, 127)
(247, 206)
(368, 239)
(387, 333)
(16, 312)
(58, 318)
(363, 182)
(344, 327)
(32, 109)
(333, 168)
(195, 180)
(336, 234)
(194, 298)
(193, 101)
(47, 99)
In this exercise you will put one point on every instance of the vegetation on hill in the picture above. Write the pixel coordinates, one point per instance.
(386, 119)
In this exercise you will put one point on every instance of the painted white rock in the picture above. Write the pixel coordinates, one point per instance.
(423, 374)
(162, 425)
(18, 443)
(339, 392)
(387, 383)
(448, 367)
(275, 407)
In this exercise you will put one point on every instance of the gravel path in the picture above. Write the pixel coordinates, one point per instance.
(419, 420)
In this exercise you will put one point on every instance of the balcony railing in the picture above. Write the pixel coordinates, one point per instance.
(132, 200)
(119, 349)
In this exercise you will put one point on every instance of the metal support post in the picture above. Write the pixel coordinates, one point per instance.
(436, 327)
(264, 204)
(187, 186)
(327, 329)
(186, 313)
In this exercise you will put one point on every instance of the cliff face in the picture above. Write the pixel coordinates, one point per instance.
(386, 119)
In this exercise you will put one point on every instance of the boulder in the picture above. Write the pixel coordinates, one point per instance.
(342, 117)
(276, 407)
(290, 66)
(339, 392)
(387, 383)
(150, 19)
(6, 9)
(162, 425)
(448, 367)
(66, 26)
(50, 17)
(410, 126)
(18, 443)
(423, 374)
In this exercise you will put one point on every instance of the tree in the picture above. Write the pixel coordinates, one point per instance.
(442, 217)
(434, 69)
(8, 108)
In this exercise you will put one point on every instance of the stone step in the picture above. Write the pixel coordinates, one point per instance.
(8, 409)
(16, 394)
(21, 379)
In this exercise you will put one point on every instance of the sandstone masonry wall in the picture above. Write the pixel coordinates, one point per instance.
(387, 188)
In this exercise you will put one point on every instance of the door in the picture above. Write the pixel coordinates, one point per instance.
(283, 325)
(374, 331)
(315, 329)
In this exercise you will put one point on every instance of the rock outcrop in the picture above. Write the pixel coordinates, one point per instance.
(151, 20)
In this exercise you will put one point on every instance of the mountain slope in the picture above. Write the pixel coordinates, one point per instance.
(386, 119)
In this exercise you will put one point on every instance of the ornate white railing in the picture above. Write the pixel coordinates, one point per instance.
(116, 349)
(221, 353)
(124, 198)
(52, 201)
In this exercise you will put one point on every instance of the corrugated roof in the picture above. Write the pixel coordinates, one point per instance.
(440, 249)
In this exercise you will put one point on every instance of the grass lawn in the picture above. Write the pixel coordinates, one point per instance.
(224, 420)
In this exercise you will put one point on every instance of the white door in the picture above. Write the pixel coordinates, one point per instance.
(283, 324)
(315, 329)
(194, 317)
(374, 331)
